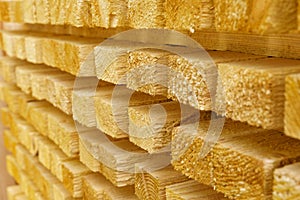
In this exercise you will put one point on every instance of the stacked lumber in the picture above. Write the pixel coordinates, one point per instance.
(256, 96)
(192, 190)
(286, 182)
(242, 162)
(291, 122)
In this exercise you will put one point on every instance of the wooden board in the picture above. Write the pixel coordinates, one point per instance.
(152, 184)
(95, 186)
(8, 67)
(242, 162)
(249, 16)
(150, 126)
(55, 47)
(61, 193)
(111, 105)
(13, 168)
(13, 191)
(192, 190)
(10, 141)
(11, 11)
(287, 182)
(72, 172)
(256, 95)
(292, 96)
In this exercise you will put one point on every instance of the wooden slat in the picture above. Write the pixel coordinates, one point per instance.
(57, 158)
(190, 16)
(267, 17)
(242, 162)
(150, 126)
(13, 168)
(11, 11)
(256, 94)
(152, 184)
(287, 182)
(292, 105)
(61, 193)
(87, 158)
(13, 191)
(111, 161)
(10, 142)
(96, 186)
(146, 14)
(8, 67)
(111, 105)
(73, 171)
(6, 116)
(192, 190)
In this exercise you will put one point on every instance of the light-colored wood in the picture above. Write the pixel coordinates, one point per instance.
(11, 11)
(13, 168)
(57, 157)
(87, 158)
(190, 15)
(111, 105)
(145, 64)
(23, 75)
(95, 186)
(46, 147)
(242, 162)
(6, 116)
(253, 16)
(61, 193)
(298, 15)
(112, 163)
(73, 171)
(256, 94)
(10, 142)
(150, 126)
(8, 67)
(292, 96)
(146, 14)
(191, 189)
(83, 101)
(287, 182)
(13, 191)
(11, 94)
(152, 185)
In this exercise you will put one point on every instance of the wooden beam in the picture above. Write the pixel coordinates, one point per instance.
(13, 191)
(192, 190)
(240, 164)
(256, 95)
(292, 96)
(95, 186)
(111, 108)
(152, 184)
(8, 67)
(87, 158)
(146, 14)
(61, 193)
(287, 182)
(73, 171)
(11, 11)
(150, 126)
(57, 158)
(190, 16)
(12, 168)
(10, 141)
(266, 17)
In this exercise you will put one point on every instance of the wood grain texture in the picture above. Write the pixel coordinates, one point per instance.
(287, 182)
(111, 104)
(95, 186)
(152, 184)
(242, 162)
(256, 95)
(291, 116)
(191, 189)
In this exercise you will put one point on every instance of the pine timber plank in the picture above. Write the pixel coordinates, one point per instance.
(6, 117)
(184, 15)
(88, 159)
(191, 189)
(73, 171)
(111, 108)
(256, 93)
(152, 185)
(250, 16)
(13, 168)
(240, 165)
(287, 182)
(13, 191)
(111, 156)
(11, 11)
(150, 126)
(8, 67)
(138, 62)
(95, 186)
(146, 14)
(291, 120)
(10, 142)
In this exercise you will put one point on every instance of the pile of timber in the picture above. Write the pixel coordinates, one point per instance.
(138, 128)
